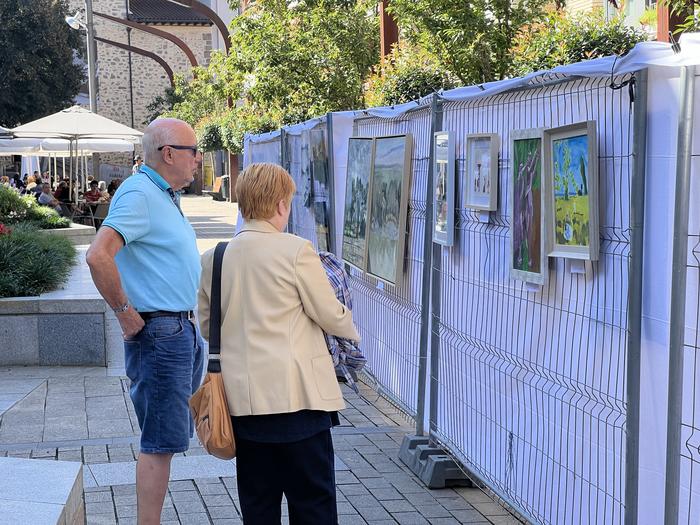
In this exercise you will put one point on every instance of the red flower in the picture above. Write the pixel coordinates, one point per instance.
(4, 230)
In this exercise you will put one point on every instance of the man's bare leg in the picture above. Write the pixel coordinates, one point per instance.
(152, 474)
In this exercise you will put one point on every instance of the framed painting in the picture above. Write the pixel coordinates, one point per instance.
(320, 187)
(388, 208)
(528, 261)
(571, 191)
(444, 188)
(481, 185)
(357, 185)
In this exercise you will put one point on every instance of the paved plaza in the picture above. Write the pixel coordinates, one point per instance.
(85, 414)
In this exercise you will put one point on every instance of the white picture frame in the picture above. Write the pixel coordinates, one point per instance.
(571, 191)
(444, 188)
(481, 172)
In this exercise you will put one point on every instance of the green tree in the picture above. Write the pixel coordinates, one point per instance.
(38, 75)
(471, 39)
(302, 59)
(408, 73)
(561, 39)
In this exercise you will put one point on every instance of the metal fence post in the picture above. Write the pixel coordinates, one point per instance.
(428, 251)
(330, 170)
(635, 297)
(678, 294)
(284, 161)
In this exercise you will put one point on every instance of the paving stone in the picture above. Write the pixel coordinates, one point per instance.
(469, 516)
(98, 497)
(344, 507)
(443, 521)
(125, 499)
(189, 507)
(345, 477)
(212, 489)
(398, 505)
(122, 490)
(351, 519)
(223, 512)
(126, 511)
(101, 519)
(373, 513)
(99, 507)
(168, 514)
(100, 428)
(353, 490)
(388, 493)
(217, 500)
(433, 511)
(227, 522)
(490, 509)
(199, 518)
(185, 496)
(409, 518)
(504, 520)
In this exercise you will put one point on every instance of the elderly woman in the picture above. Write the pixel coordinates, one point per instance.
(276, 302)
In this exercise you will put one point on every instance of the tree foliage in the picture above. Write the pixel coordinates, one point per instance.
(408, 73)
(39, 76)
(471, 39)
(561, 39)
(288, 62)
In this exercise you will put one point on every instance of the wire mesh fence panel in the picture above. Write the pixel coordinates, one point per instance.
(307, 162)
(689, 501)
(389, 317)
(531, 380)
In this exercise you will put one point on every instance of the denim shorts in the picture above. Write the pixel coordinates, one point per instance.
(164, 362)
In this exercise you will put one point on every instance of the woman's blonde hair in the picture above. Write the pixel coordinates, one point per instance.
(260, 187)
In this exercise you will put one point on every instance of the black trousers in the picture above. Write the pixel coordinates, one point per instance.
(303, 471)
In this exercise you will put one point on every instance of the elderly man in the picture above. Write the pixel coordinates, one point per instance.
(46, 198)
(145, 263)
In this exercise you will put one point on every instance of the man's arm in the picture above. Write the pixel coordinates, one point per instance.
(100, 259)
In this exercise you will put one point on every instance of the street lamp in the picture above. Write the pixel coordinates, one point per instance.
(75, 23)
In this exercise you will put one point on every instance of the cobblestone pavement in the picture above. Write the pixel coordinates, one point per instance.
(85, 414)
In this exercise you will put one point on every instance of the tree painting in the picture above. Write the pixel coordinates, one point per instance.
(571, 202)
(356, 194)
(527, 204)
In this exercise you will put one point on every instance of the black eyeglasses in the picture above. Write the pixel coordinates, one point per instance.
(193, 149)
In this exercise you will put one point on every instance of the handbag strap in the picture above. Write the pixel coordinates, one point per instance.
(215, 310)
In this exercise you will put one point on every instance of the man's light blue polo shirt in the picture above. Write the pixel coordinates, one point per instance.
(159, 264)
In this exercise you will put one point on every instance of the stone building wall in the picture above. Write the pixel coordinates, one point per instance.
(148, 79)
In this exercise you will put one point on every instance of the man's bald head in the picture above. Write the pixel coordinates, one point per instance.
(160, 132)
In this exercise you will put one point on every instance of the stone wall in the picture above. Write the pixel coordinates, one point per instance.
(148, 78)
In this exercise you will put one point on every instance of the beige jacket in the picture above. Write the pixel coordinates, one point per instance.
(275, 302)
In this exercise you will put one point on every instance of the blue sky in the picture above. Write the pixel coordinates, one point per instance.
(579, 148)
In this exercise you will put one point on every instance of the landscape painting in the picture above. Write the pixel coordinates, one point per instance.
(320, 187)
(571, 188)
(388, 207)
(481, 188)
(357, 183)
(527, 243)
(443, 182)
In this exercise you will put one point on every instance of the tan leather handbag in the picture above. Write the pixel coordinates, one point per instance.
(208, 404)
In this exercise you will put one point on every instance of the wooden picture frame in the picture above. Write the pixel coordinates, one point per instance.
(388, 207)
(444, 188)
(481, 181)
(357, 193)
(571, 191)
(528, 261)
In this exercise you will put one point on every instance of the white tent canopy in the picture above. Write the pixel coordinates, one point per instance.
(77, 123)
(62, 147)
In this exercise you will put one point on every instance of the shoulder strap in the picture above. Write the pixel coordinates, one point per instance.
(215, 309)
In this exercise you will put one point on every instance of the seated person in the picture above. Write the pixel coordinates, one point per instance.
(46, 199)
(31, 184)
(93, 195)
(102, 187)
(62, 193)
(113, 185)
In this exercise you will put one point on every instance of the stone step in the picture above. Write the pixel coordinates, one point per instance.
(41, 492)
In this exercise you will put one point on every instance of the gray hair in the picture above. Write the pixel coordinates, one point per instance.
(158, 133)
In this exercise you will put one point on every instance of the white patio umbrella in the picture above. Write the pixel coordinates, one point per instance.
(77, 123)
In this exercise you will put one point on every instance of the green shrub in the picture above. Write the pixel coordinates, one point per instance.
(15, 208)
(32, 262)
(408, 73)
(209, 135)
(562, 39)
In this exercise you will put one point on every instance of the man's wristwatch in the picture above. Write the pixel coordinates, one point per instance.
(121, 309)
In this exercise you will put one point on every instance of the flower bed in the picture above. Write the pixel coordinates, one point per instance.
(16, 208)
(31, 262)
